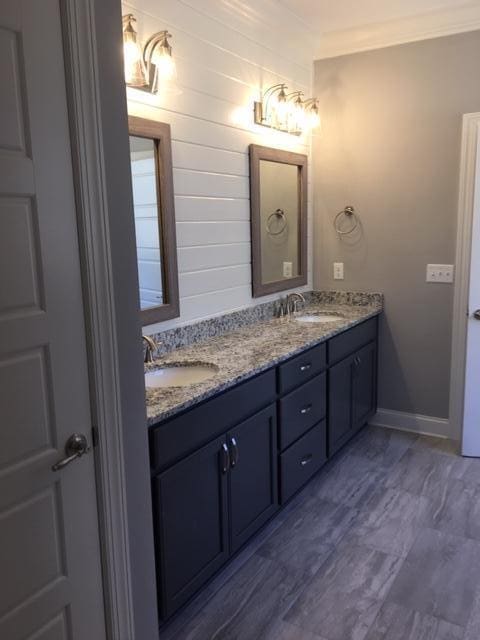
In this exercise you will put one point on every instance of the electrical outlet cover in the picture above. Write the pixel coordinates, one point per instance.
(338, 271)
(287, 269)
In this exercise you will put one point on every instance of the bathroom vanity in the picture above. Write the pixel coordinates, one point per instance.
(224, 465)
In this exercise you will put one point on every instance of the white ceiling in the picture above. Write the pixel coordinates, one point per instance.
(374, 23)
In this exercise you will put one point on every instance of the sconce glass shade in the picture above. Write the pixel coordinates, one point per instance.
(158, 52)
(162, 59)
(274, 107)
(135, 73)
(313, 116)
(296, 122)
(282, 108)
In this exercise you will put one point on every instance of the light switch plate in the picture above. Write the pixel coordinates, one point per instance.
(440, 272)
(338, 271)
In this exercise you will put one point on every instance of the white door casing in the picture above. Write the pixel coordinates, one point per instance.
(51, 583)
(465, 371)
(98, 108)
(471, 415)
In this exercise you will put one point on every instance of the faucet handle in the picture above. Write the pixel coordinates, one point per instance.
(283, 308)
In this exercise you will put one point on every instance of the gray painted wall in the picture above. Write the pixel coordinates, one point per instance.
(390, 145)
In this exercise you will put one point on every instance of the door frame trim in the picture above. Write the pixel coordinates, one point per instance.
(468, 170)
(94, 77)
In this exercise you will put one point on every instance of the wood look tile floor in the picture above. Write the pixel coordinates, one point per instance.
(383, 544)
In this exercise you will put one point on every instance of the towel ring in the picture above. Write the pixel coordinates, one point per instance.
(278, 213)
(349, 212)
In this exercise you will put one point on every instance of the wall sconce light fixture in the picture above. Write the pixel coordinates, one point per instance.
(153, 68)
(287, 112)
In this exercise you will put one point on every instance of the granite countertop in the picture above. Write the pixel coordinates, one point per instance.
(245, 352)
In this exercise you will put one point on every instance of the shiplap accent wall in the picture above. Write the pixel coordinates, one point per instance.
(226, 53)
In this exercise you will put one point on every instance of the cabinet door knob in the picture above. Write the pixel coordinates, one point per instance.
(306, 409)
(306, 459)
(234, 454)
(305, 367)
(224, 458)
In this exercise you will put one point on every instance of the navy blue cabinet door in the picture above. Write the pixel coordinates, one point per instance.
(364, 385)
(340, 388)
(352, 395)
(253, 475)
(190, 512)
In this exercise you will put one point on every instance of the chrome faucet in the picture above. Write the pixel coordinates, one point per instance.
(292, 302)
(151, 346)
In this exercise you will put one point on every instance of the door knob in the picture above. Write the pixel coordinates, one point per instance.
(476, 314)
(75, 447)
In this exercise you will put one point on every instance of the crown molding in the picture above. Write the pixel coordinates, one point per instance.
(434, 24)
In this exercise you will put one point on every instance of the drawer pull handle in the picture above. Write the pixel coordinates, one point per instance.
(305, 367)
(224, 458)
(306, 459)
(234, 453)
(306, 409)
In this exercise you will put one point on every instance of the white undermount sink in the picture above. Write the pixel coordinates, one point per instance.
(319, 317)
(179, 375)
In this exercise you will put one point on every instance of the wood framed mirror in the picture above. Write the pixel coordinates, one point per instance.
(278, 204)
(154, 210)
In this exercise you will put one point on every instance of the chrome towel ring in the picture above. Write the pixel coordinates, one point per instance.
(280, 215)
(348, 212)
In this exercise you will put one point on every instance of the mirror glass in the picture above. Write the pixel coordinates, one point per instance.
(279, 221)
(278, 202)
(147, 222)
(154, 211)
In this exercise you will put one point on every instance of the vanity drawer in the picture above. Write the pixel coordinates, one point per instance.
(179, 436)
(302, 460)
(351, 340)
(301, 409)
(301, 368)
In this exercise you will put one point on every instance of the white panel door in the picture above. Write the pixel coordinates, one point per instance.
(471, 413)
(50, 572)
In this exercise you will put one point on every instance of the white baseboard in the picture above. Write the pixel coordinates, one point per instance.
(425, 425)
